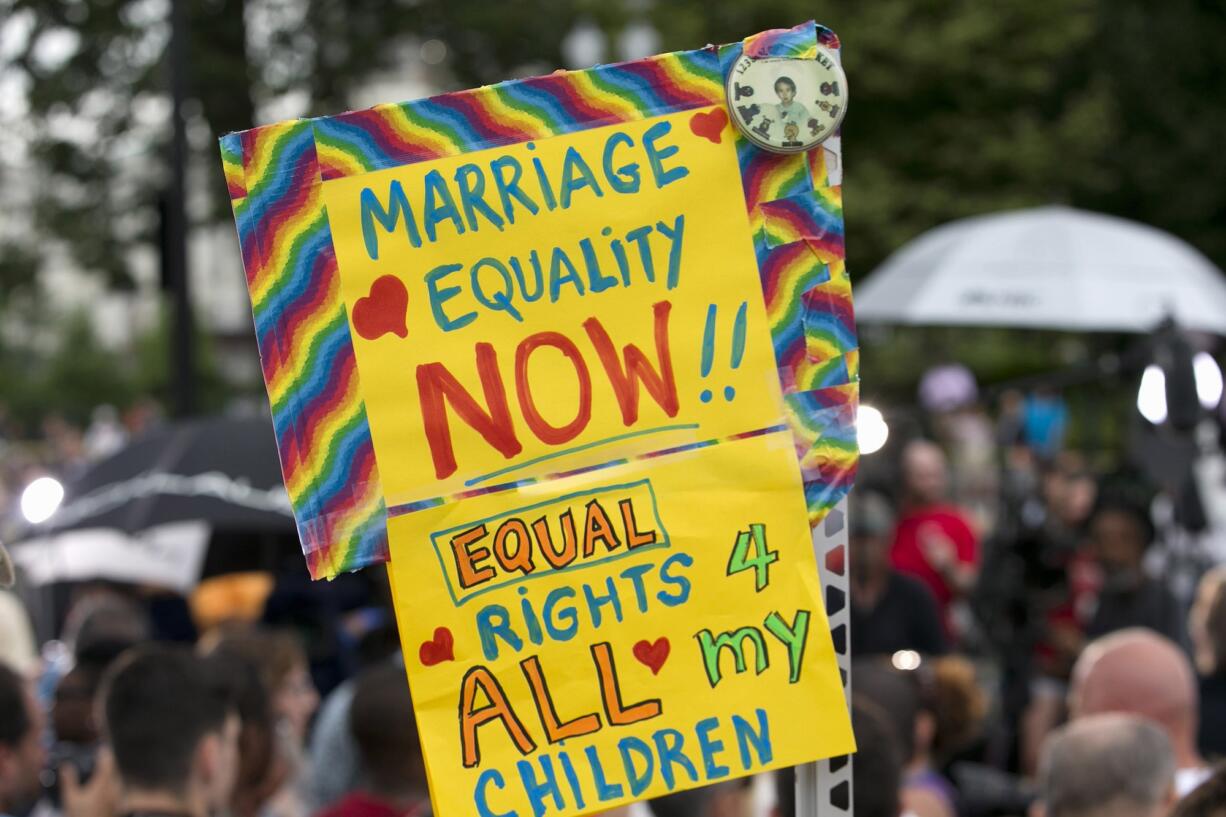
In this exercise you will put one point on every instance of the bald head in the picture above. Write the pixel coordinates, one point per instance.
(1139, 672)
(1107, 766)
(924, 472)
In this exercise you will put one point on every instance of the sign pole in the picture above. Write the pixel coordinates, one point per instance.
(823, 789)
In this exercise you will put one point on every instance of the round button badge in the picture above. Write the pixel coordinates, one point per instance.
(787, 105)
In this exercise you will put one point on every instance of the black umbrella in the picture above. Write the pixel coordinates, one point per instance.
(206, 491)
(217, 470)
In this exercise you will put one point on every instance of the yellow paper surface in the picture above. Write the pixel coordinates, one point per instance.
(675, 455)
(716, 266)
(704, 499)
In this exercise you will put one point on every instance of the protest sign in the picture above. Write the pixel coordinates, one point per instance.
(600, 348)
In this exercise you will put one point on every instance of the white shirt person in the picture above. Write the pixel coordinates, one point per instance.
(790, 115)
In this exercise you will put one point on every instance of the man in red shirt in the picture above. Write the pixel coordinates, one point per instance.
(933, 541)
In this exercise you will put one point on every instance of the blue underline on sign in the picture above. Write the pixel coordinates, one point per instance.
(576, 449)
(434, 502)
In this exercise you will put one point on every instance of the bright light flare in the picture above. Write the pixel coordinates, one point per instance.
(1208, 380)
(1151, 397)
(906, 660)
(871, 429)
(41, 499)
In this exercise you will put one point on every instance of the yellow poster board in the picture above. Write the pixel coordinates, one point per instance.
(689, 647)
(561, 351)
(574, 643)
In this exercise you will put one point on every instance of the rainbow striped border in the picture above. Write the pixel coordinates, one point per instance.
(274, 176)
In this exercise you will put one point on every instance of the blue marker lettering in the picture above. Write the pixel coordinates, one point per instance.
(635, 574)
(604, 790)
(709, 748)
(500, 300)
(683, 584)
(668, 747)
(656, 156)
(639, 781)
(567, 613)
(537, 792)
(509, 188)
(626, 178)
(490, 630)
(761, 739)
(438, 297)
(480, 796)
(372, 211)
(439, 205)
(471, 182)
(571, 165)
(595, 602)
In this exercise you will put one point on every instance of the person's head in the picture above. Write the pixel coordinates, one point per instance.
(925, 475)
(1207, 622)
(22, 754)
(1206, 800)
(73, 716)
(282, 664)
(958, 703)
(1140, 672)
(382, 723)
(786, 89)
(1119, 533)
(876, 769)
(1069, 490)
(262, 765)
(102, 624)
(1110, 765)
(900, 698)
(172, 728)
(871, 525)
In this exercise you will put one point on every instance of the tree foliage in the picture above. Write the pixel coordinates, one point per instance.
(79, 372)
(957, 107)
(95, 79)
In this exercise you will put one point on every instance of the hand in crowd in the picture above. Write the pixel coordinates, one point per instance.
(939, 548)
(98, 796)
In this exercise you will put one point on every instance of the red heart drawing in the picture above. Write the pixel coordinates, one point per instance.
(439, 649)
(383, 310)
(652, 654)
(710, 124)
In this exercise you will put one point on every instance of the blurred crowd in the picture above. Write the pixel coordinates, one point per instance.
(64, 448)
(1024, 634)
(1034, 632)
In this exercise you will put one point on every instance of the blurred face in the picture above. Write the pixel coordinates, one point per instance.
(1208, 594)
(22, 764)
(73, 713)
(1078, 500)
(924, 475)
(869, 554)
(1070, 497)
(223, 764)
(786, 92)
(296, 701)
(1117, 543)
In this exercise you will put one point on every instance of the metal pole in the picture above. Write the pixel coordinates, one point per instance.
(823, 789)
(182, 358)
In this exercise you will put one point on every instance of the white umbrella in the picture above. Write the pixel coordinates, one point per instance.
(169, 555)
(1046, 268)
